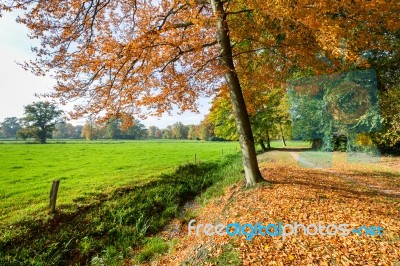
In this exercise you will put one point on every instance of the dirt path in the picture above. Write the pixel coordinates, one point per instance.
(310, 164)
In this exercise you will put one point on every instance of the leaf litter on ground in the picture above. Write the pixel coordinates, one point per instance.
(306, 196)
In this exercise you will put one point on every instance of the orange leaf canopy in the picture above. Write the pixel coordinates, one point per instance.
(131, 57)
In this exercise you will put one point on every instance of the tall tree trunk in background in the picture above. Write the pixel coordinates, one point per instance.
(268, 140)
(283, 136)
(316, 144)
(262, 145)
(246, 139)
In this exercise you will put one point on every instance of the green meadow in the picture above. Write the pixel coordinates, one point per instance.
(114, 196)
(87, 169)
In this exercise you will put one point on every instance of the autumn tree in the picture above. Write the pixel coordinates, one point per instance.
(41, 118)
(269, 116)
(152, 132)
(126, 56)
(192, 132)
(179, 130)
(90, 129)
(205, 130)
(222, 117)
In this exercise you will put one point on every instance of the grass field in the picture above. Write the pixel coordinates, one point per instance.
(87, 168)
(114, 196)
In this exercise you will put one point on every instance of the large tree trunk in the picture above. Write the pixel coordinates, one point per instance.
(246, 139)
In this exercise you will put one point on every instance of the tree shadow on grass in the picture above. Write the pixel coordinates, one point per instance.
(291, 149)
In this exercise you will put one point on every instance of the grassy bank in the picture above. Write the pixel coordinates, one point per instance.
(112, 226)
(87, 168)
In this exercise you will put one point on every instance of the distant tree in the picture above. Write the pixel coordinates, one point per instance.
(41, 118)
(90, 129)
(206, 129)
(77, 132)
(10, 126)
(158, 134)
(179, 131)
(152, 132)
(167, 132)
(70, 131)
(60, 130)
(113, 128)
(271, 117)
(192, 132)
(86, 132)
(26, 133)
(64, 130)
(185, 131)
(137, 131)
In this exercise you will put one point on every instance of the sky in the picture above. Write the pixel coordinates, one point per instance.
(18, 87)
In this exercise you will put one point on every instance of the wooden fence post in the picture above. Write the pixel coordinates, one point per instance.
(53, 195)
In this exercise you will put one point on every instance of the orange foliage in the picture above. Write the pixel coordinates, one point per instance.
(149, 56)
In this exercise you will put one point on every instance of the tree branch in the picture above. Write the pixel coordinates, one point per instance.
(239, 11)
(181, 52)
(170, 12)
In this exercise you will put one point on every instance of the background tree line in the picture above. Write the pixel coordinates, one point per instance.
(113, 128)
(43, 120)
